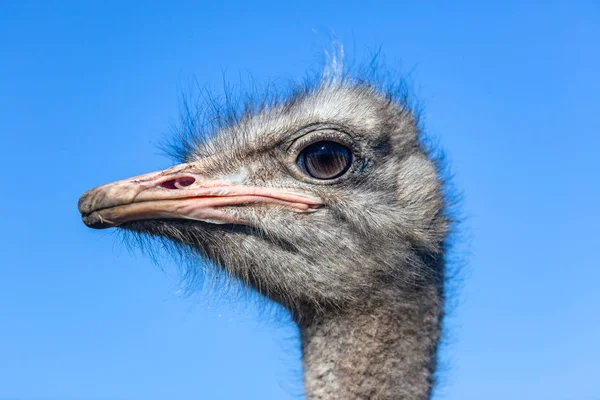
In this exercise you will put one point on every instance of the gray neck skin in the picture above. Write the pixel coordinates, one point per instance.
(377, 351)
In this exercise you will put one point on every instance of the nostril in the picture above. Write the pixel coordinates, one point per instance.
(178, 183)
(169, 184)
(185, 181)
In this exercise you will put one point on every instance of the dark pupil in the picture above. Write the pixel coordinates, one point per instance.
(326, 160)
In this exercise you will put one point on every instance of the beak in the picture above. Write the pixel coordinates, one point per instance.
(181, 192)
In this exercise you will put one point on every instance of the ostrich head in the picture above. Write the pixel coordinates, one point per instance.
(320, 203)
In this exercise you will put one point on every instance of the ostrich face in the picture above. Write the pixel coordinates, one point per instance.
(315, 203)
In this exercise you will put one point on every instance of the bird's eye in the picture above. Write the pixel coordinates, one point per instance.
(325, 160)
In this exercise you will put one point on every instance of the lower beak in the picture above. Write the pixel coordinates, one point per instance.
(181, 192)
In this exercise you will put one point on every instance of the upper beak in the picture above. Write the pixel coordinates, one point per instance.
(181, 192)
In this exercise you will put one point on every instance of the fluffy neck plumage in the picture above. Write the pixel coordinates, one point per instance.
(379, 350)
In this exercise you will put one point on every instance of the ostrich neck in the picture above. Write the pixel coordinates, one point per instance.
(382, 350)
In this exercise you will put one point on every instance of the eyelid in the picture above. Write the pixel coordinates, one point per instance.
(310, 137)
(293, 138)
(317, 132)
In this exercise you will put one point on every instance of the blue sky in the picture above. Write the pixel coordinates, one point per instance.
(87, 90)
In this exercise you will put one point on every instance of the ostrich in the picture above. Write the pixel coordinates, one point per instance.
(327, 203)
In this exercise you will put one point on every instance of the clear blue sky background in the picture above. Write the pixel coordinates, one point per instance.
(87, 89)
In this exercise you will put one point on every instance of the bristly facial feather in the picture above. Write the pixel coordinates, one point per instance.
(384, 223)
